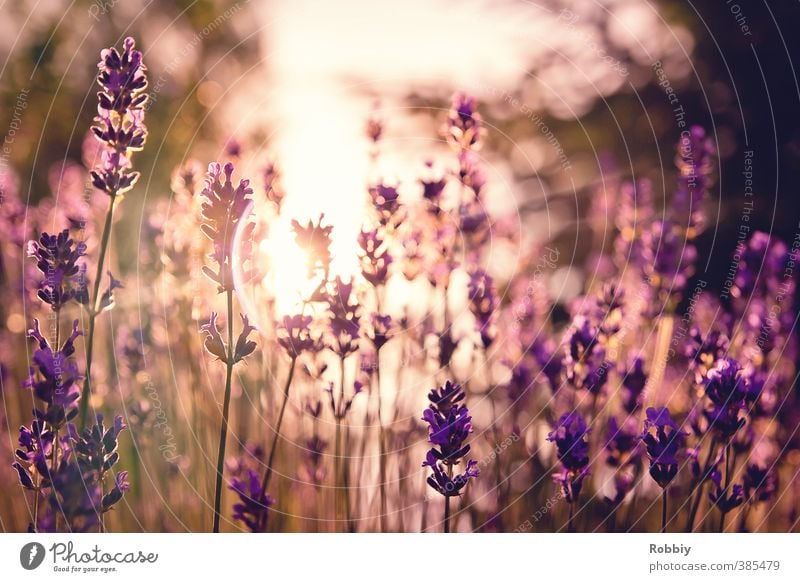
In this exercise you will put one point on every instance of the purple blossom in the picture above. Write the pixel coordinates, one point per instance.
(57, 258)
(622, 441)
(442, 482)
(294, 335)
(483, 304)
(760, 482)
(344, 318)
(726, 388)
(386, 202)
(375, 257)
(54, 378)
(570, 435)
(464, 125)
(634, 380)
(253, 506)
(668, 260)
(663, 441)
(449, 426)
(223, 211)
(119, 124)
(381, 330)
(315, 240)
(726, 498)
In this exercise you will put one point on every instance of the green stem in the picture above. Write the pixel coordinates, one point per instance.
(274, 448)
(95, 301)
(223, 431)
(664, 510)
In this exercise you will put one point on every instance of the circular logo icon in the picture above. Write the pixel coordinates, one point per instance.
(31, 555)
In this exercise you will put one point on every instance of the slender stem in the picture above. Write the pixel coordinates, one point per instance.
(724, 513)
(381, 443)
(664, 510)
(36, 503)
(337, 471)
(95, 303)
(447, 502)
(274, 448)
(570, 521)
(698, 492)
(223, 431)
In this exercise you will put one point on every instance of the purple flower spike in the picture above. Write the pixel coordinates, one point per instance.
(315, 240)
(119, 123)
(760, 483)
(464, 125)
(483, 305)
(726, 387)
(449, 426)
(294, 335)
(57, 258)
(223, 212)
(663, 440)
(725, 498)
(570, 435)
(253, 506)
(375, 258)
(345, 316)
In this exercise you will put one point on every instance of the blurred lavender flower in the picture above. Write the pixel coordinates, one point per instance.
(253, 505)
(315, 240)
(726, 388)
(483, 304)
(663, 441)
(75, 497)
(622, 441)
(375, 257)
(381, 330)
(694, 160)
(705, 352)
(313, 456)
(635, 213)
(725, 497)
(54, 378)
(345, 314)
(386, 203)
(668, 261)
(634, 380)
(294, 335)
(463, 129)
(760, 483)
